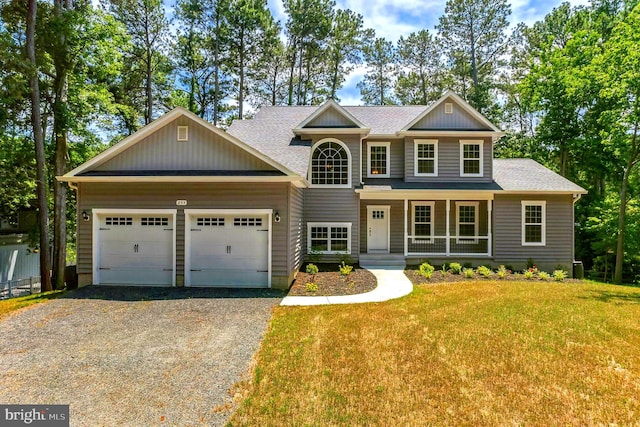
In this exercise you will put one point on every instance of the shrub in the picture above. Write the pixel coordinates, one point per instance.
(528, 274)
(468, 273)
(345, 258)
(345, 269)
(312, 269)
(455, 267)
(467, 265)
(484, 271)
(530, 263)
(444, 270)
(426, 270)
(311, 287)
(502, 272)
(559, 275)
(543, 275)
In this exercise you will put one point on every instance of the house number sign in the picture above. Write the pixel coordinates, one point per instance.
(181, 203)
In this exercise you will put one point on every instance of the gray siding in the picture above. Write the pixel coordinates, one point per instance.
(331, 118)
(459, 120)
(333, 205)
(198, 196)
(507, 234)
(449, 161)
(296, 225)
(396, 160)
(396, 239)
(203, 151)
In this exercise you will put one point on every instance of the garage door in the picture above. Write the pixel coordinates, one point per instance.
(228, 250)
(135, 249)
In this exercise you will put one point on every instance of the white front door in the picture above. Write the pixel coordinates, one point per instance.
(378, 229)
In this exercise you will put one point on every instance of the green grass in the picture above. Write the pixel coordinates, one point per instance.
(470, 353)
(10, 305)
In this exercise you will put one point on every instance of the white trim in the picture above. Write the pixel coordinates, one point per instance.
(444, 133)
(387, 210)
(167, 118)
(349, 165)
(524, 204)
(325, 131)
(169, 178)
(462, 103)
(420, 239)
(96, 212)
(329, 104)
(389, 194)
(184, 129)
(329, 225)
(387, 145)
(464, 142)
(448, 108)
(189, 213)
(467, 239)
(406, 243)
(417, 142)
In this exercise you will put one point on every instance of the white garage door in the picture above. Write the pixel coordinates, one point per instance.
(135, 249)
(228, 250)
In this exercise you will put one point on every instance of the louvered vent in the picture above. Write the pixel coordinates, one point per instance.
(183, 133)
(448, 108)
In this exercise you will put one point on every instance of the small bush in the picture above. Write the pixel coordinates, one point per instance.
(455, 267)
(528, 274)
(502, 272)
(468, 273)
(426, 270)
(311, 287)
(543, 275)
(467, 265)
(484, 271)
(444, 270)
(345, 269)
(559, 275)
(312, 269)
(530, 263)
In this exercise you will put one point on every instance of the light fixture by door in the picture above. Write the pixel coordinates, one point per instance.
(276, 216)
(85, 216)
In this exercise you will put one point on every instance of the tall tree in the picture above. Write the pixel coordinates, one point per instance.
(217, 35)
(36, 123)
(344, 48)
(377, 86)
(422, 78)
(473, 36)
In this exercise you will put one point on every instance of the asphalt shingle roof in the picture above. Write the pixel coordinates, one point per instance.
(528, 175)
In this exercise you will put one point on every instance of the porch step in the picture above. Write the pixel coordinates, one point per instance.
(382, 260)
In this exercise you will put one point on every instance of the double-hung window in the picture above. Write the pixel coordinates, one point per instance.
(422, 227)
(467, 219)
(534, 223)
(378, 162)
(471, 158)
(329, 238)
(426, 157)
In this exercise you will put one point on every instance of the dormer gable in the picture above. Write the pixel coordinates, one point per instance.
(451, 113)
(329, 118)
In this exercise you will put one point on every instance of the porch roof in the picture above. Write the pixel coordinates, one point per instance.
(381, 184)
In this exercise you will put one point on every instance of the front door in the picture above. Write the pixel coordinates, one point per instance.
(378, 229)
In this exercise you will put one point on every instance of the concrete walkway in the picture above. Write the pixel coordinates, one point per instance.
(392, 283)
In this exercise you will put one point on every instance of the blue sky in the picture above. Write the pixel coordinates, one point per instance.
(394, 18)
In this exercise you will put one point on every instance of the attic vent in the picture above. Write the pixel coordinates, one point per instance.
(448, 108)
(183, 133)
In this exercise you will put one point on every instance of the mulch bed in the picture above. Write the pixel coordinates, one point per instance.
(331, 283)
(438, 277)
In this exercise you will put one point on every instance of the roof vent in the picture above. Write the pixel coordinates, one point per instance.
(183, 133)
(448, 108)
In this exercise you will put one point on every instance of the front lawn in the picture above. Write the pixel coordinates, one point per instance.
(12, 304)
(481, 352)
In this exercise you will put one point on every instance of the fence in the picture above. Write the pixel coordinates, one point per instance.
(16, 288)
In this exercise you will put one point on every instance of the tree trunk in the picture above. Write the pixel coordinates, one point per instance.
(149, 92)
(292, 67)
(241, 77)
(216, 67)
(43, 213)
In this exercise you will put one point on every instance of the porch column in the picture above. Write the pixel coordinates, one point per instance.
(489, 209)
(406, 236)
(448, 232)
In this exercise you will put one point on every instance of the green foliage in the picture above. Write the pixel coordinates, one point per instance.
(345, 269)
(528, 274)
(502, 272)
(312, 269)
(380, 57)
(421, 77)
(543, 275)
(530, 263)
(426, 270)
(444, 270)
(484, 271)
(455, 267)
(468, 273)
(311, 287)
(559, 275)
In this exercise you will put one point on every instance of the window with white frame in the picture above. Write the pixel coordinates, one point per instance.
(471, 158)
(329, 238)
(467, 221)
(534, 223)
(422, 224)
(378, 162)
(426, 157)
(330, 164)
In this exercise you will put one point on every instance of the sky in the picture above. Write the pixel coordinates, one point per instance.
(394, 18)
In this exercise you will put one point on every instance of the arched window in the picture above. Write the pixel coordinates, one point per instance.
(330, 164)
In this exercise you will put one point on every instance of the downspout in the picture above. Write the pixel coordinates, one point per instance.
(360, 162)
(73, 185)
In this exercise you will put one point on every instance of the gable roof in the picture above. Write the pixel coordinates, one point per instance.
(141, 134)
(460, 102)
(323, 109)
(529, 176)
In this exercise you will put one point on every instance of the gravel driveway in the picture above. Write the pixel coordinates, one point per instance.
(134, 357)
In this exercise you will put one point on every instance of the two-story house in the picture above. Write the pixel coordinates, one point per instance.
(181, 202)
